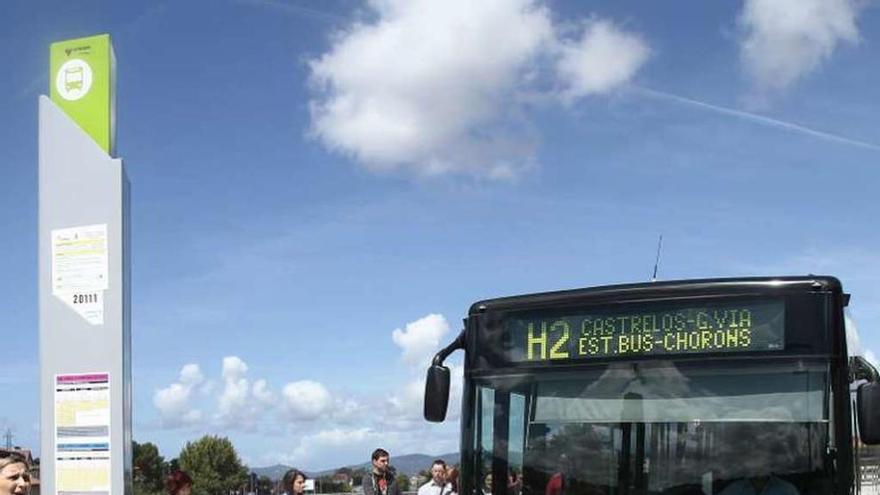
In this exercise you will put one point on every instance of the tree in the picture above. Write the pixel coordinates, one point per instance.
(326, 484)
(213, 465)
(403, 482)
(264, 485)
(425, 476)
(149, 468)
(357, 476)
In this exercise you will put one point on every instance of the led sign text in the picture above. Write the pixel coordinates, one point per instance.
(709, 328)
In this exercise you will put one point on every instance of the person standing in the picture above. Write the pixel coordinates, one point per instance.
(294, 482)
(380, 481)
(556, 485)
(514, 482)
(178, 483)
(437, 484)
(15, 478)
(452, 479)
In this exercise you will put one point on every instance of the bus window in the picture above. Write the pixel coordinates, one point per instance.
(661, 429)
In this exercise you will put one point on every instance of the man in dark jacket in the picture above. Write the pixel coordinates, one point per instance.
(381, 480)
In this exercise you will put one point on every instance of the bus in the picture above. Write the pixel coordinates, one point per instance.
(702, 387)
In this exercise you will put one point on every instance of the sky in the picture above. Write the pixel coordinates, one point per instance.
(321, 189)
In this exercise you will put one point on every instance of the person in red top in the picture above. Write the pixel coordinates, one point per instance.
(556, 485)
(178, 483)
(514, 482)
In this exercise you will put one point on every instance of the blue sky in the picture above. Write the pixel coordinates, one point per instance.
(320, 189)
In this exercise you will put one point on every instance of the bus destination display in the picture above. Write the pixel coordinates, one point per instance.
(645, 329)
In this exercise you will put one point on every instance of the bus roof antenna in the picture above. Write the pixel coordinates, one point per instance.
(657, 260)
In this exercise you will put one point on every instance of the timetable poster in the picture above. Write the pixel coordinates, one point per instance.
(82, 434)
(80, 269)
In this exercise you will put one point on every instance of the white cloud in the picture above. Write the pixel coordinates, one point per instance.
(419, 342)
(174, 401)
(433, 87)
(854, 345)
(602, 59)
(853, 339)
(335, 443)
(338, 436)
(871, 357)
(409, 400)
(191, 375)
(333, 446)
(347, 410)
(786, 39)
(407, 403)
(243, 405)
(421, 339)
(207, 388)
(336, 426)
(306, 400)
(234, 405)
(263, 394)
(233, 368)
(455, 393)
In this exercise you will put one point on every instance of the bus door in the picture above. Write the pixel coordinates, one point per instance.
(499, 440)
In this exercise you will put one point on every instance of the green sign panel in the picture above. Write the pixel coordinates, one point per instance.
(82, 82)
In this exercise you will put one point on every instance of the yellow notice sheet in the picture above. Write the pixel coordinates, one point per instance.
(80, 269)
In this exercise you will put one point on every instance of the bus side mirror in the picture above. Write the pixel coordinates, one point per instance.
(868, 403)
(437, 393)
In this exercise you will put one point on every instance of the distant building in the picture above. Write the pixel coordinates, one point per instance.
(309, 486)
(415, 481)
(344, 478)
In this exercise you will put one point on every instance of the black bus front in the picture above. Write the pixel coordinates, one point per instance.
(697, 387)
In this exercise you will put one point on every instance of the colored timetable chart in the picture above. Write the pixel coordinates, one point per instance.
(82, 434)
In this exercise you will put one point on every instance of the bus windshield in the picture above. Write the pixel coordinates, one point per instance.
(656, 427)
